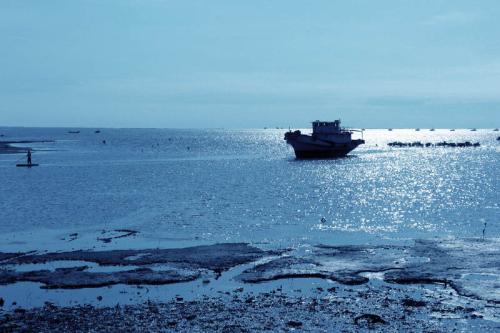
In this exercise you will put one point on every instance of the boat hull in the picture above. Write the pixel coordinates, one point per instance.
(306, 147)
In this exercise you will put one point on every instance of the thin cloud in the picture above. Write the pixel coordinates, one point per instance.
(453, 18)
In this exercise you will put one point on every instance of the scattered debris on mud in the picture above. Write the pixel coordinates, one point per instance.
(120, 233)
(377, 309)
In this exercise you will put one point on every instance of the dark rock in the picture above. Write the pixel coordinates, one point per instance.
(294, 323)
(250, 299)
(49, 305)
(190, 317)
(408, 302)
(369, 318)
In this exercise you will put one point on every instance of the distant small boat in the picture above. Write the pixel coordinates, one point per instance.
(26, 165)
(74, 132)
(495, 130)
(432, 130)
(389, 129)
(97, 131)
(473, 130)
(452, 130)
(417, 129)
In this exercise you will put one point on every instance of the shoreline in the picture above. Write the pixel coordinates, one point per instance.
(432, 285)
(6, 147)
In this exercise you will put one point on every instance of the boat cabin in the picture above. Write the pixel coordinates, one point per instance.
(326, 127)
(330, 130)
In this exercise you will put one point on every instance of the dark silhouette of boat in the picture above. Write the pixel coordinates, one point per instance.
(328, 140)
(74, 132)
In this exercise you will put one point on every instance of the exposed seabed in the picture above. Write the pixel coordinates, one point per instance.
(436, 285)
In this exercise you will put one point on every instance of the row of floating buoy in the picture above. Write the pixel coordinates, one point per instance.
(419, 144)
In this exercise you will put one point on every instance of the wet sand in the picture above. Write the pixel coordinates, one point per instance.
(432, 285)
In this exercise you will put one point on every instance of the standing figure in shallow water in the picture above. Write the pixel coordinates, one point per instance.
(29, 156)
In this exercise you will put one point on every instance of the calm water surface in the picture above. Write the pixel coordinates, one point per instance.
(205, 186)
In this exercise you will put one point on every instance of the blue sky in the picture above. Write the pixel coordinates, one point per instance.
(165, 63)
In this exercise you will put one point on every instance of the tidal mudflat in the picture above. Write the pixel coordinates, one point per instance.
(430, 285)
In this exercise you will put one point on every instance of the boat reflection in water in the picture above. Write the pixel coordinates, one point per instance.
(328, 140)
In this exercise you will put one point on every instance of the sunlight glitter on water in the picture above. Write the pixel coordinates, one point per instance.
(245, 185)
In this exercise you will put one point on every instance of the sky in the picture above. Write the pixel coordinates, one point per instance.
(249, 64)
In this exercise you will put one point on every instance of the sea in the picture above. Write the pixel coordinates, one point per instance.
(183, 187)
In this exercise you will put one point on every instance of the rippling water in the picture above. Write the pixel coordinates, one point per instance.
(245, 185)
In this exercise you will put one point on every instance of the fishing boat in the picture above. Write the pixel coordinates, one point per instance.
(328, 140)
